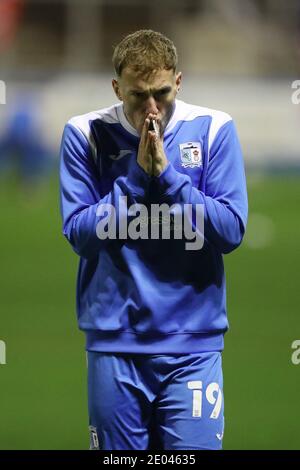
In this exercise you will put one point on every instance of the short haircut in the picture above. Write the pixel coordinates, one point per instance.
(145, 51)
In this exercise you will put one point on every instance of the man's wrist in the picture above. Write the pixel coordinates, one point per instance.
(166, 179)
(160, 169)
(138, 179)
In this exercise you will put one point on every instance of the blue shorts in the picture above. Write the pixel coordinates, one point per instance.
(142, 402)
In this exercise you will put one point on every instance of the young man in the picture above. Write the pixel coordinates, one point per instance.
(153, 307)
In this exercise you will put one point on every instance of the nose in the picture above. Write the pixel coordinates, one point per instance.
(151, 106)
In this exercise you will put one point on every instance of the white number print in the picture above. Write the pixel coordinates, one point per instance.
(210, 395)
(196, 386)
(213, 395)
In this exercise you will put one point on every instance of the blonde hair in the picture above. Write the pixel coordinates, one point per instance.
(145, 51)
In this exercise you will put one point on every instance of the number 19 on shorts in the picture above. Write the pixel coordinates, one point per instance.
(213, 394)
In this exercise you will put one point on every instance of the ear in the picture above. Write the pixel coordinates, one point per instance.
(178, 81)
(116, 88)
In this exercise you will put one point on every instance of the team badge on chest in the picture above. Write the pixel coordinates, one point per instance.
(190, 154)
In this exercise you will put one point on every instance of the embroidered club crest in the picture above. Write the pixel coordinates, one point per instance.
(190, 154)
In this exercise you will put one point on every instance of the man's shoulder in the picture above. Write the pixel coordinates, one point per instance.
(83, 121)
(188, 111)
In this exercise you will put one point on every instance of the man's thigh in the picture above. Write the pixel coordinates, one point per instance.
(190, 406)
(119, 403)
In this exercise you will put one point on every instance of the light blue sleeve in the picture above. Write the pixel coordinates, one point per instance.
(80, 198)
(225, 196)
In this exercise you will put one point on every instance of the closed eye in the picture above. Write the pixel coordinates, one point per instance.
(157, 94)
(160, 94)
(138, 94)
(163, 91)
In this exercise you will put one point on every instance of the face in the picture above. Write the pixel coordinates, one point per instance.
(143, 94)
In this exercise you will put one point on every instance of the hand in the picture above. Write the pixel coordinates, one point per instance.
(144, 157)
(151, 156)
(159, 159)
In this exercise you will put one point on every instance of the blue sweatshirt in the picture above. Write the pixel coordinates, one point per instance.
(152, 295)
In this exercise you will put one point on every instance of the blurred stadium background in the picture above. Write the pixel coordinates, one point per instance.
(238, 56)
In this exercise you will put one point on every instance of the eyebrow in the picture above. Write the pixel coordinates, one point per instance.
(166, 88)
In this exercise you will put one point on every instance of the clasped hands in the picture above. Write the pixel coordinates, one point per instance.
(151, 156)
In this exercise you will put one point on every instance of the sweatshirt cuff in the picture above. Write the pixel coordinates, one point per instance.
(167, 179)
(138, 180)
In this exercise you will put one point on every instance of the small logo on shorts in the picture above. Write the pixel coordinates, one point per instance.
(220, 435)
(94, 442)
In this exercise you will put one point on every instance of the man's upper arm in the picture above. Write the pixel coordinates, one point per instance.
(79, 186)
(226, 181)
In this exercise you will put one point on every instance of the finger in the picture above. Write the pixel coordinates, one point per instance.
(153, 138)
(151, 116)
(159, 127)
(153, 119)
(152, 135)
(145, 128)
